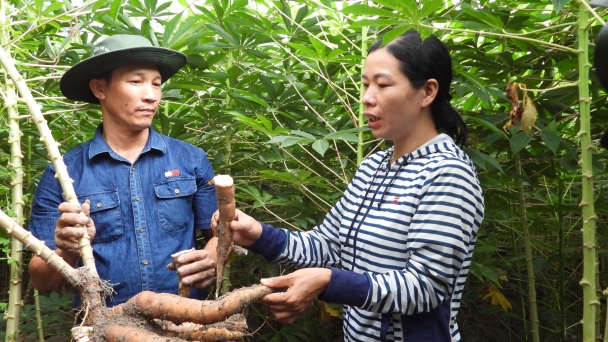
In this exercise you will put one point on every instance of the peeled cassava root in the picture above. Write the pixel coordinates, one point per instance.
(224, 189)
(182, 289)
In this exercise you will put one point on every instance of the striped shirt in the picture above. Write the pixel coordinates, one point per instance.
(399, 242)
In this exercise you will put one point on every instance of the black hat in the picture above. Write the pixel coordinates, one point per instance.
(601, 66)
(112, 53)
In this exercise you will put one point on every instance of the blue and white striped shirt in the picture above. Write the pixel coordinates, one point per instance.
(399, 242)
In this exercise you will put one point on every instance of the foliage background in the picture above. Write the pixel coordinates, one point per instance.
(271, 92)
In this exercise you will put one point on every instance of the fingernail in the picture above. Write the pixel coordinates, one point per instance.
(264, 281)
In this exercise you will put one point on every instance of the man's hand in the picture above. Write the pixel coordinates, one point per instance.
(245, 228)
(66, 233)
(197, 268)
(303, 286)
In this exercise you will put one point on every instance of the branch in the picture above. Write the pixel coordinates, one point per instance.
(504, 35)
(38, 247)
(51, 145)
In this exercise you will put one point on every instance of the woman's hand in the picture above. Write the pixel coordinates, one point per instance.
(303, 286)
(245, 228)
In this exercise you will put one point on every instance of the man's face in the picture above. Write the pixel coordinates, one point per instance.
(129, 101)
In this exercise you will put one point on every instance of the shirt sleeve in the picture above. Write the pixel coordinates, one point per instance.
(45, 213)
(205, 201)
(440, 239)
(319, 247)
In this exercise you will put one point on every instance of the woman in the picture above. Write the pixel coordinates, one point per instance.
(396, 248)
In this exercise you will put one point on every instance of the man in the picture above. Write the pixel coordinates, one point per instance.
(147, 192)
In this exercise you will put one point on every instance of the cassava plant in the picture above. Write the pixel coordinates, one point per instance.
(147, 316)
(9, 95)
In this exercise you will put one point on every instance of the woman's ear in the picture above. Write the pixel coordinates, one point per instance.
(429, 90)
(98, 87)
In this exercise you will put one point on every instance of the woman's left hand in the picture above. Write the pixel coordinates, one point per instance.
(303, 286)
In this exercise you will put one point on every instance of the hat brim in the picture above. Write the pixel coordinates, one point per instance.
(74, 84)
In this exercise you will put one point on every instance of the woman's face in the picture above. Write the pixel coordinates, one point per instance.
(395, 110)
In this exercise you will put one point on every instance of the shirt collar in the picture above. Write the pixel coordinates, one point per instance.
(99, 145)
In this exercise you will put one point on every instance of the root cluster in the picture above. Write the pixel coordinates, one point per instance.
(152, 317)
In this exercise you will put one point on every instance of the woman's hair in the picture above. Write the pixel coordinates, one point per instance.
(420, 61)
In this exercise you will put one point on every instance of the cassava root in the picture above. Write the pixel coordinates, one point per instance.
(224, 188)
(182, 289)
(179, 310)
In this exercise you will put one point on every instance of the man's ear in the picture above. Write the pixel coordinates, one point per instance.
(429, 89)
(98, 87)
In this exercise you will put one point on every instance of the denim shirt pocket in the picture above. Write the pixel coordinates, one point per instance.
(105, 212)
(174, 203)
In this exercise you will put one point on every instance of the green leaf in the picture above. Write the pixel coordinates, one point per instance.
(320, 146)
(249, 121)
(319, 47)
(115, 9)
(430, 7)
(304, 50)
(365, 10)
(394, 33)
(302, 12)
(170, 29)
(347, 134)
(551, 140)
(482, 160)
(224, 34)
(236, 5)
(405, 7)
(558, 5)
(520, 140)
(376, 22)
(489, 125)
(303, 134)
(289, 141)
(53, 7)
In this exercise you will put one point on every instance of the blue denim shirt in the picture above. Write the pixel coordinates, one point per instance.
(143, 211)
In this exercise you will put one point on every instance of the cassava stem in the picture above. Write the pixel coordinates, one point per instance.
(182, 289)
(52, 147)
(224, 188)
(38, 247)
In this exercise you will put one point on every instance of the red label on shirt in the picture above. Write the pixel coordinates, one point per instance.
(171, 173)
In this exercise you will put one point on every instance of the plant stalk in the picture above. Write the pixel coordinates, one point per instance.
(228, 136)
(84, 243)
(15, 300)
(588, 282)
(39, 329)
(361, 143)
(532, 302)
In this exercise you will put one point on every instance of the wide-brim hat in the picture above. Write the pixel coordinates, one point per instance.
(112, 53)
(601, 66)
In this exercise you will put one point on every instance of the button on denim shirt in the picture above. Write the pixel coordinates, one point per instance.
(143, 211)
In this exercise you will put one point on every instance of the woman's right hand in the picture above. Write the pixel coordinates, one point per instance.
(246, 230)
